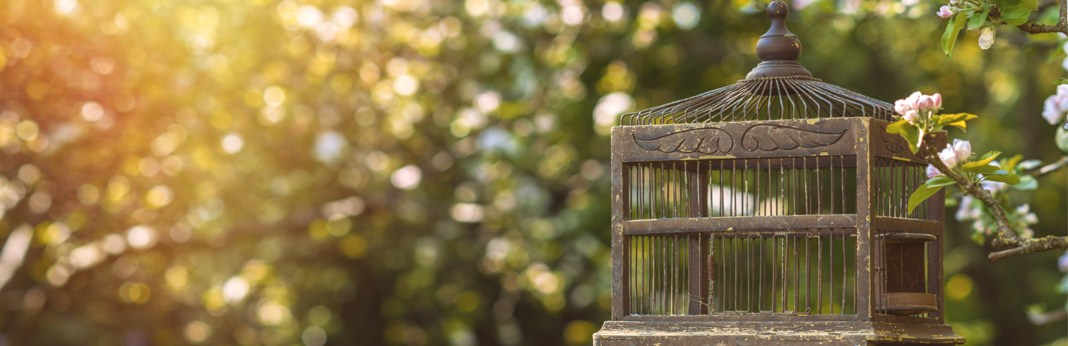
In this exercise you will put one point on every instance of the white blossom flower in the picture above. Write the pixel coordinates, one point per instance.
(986, 37)
(1056, 105)
(955, 153)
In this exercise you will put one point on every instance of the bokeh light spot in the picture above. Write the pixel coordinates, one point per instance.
(232, 143)
(197, 332)
(274, 96)
(407, 177)
(135, 292)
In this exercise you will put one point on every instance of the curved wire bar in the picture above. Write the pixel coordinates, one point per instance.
(777, 98)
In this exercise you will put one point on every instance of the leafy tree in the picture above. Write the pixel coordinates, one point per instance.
(405, 172)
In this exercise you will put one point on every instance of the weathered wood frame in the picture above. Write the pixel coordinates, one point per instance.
(863, 138)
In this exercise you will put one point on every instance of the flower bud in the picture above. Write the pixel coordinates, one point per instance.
(962, 150)
(937, 99)
(924, 103)
(986, 38)
(945, 12)
(932, 171)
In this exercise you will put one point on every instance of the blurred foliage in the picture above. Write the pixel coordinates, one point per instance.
(408, 172)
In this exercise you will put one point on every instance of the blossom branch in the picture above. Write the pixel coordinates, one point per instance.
(1006, 234)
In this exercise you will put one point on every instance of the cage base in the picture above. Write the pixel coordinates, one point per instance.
(619, 333)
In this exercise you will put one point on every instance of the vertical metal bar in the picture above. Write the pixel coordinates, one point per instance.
(774, 259)
(675, 274)
(745, 187)
(808, 271)
(844, 268)
(830, 270)
(663, 273)
(819, 187)
(819, 274)
(760, 268)
(712, 292)
(843, 183)
(747, 244)
(784, 265)
(721, 187)
(736, 286)
(784, 198)
(797, 272)
(643, 245)
(804, 163)
(830, 162)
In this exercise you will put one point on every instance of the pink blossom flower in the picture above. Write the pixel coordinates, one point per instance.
(911, 116)
(917, 105)
(986, 37)
(902, 107)
(945, 12)
(1063, 262)
(932, 171)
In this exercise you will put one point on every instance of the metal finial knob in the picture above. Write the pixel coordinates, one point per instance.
(778, 43)
(778, 49)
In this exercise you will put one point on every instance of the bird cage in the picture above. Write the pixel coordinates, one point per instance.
(772, 210)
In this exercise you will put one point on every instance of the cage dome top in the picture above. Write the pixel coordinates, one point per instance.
(777, 88)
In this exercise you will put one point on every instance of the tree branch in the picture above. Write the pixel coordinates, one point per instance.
(1031, 246)
(1061, 26)
(1050, 168)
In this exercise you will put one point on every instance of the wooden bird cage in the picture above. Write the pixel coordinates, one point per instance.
(772, 210)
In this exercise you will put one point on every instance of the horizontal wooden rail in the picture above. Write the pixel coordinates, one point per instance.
(779, 224)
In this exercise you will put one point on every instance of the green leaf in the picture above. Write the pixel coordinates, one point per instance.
(1015, 15)
(1029, 164)
(1002, 176)
(947, 119)
(1027, 183)
(896, 127)
(983, 161)
(949, 37)
(1010, 164)
(977, 19)
(940, 180)
(981, 169)
(921, 194)
(913, 136)
(1029, 4)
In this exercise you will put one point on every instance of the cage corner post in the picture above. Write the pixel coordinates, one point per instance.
(620, 289)
(865, 200)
